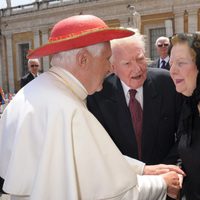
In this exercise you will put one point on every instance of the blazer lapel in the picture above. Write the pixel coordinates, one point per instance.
(124, 118)
(151, 115)
(158, 63)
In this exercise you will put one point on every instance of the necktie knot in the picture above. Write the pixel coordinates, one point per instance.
(163, 64)
(132, 93)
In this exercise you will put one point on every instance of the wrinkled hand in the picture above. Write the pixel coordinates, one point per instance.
(161, 169)
(173, 184)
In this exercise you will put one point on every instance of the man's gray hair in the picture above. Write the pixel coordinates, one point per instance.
(69, 57)
(162, 38)
(34, 60)
(137, 39)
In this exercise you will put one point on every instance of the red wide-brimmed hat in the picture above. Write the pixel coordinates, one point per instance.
(76, 32)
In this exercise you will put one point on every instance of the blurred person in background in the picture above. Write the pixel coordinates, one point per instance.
(162, 46)
(33, 68)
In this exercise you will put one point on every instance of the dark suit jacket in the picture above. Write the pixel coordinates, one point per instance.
(189, 149)
(161, 107)
(1, 186)
(26, 79)
(156, 64)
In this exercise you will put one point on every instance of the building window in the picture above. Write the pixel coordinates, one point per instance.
(23, 50)
(154, 34)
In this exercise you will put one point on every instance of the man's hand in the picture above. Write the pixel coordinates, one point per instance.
(161, 169)
(173, 184)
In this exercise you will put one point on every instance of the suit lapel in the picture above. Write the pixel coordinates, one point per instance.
(30, 77)
(167, 65)
(158, 63)
(124, 118)
(151, 115)
(117, 102)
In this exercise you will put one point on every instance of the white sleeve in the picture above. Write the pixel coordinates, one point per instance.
(151, 187)
(136, 165)
(148, 187)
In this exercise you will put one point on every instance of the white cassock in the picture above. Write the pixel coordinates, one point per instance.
(53, 148)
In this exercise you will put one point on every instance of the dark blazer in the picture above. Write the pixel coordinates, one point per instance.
(1, 185)
(156, 64)
(26, 79)
(189, 149)
(161, 107)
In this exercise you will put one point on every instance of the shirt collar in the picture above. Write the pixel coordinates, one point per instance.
(139, 94)
(34, 74)
(166, 59)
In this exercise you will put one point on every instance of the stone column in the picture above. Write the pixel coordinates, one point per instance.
(193, 21)
(8, 2)
(10, 63)
(1, 66)
(36, 38)
(198, 20)
(45, 37)
(4, 69)
(185, 21)
(169, 27)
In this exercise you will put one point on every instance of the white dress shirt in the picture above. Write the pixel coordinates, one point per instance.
(138, 96)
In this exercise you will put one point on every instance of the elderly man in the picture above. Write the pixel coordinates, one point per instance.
(153, 140)
(162, 46)
(33, 68)
(55, 148)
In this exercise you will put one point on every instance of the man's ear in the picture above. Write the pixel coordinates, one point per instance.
(82, 58)
(112, 68)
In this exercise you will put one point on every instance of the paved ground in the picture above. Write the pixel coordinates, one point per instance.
(4, 197)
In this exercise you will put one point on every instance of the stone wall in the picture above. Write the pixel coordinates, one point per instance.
(32, 23)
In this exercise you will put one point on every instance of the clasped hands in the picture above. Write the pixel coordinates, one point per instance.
(172, 175)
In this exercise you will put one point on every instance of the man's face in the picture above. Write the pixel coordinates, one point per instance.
(100, 66)
(130, 65)
(162, 48)
(33, 67)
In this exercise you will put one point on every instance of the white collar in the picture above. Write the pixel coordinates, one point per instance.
(139, 94)
(166, 59)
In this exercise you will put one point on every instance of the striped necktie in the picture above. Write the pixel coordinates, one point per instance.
(162, 65)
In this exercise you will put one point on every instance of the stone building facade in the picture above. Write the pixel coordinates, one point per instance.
(28, 26)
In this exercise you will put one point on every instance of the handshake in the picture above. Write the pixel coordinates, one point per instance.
(172, 175)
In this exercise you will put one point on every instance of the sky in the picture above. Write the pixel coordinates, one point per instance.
(15, 2)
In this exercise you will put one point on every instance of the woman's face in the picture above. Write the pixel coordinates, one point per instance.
(183, 69)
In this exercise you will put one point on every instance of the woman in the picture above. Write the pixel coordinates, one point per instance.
(185, 66)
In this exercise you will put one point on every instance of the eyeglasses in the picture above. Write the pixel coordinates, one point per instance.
(34, 65)
(163, 45)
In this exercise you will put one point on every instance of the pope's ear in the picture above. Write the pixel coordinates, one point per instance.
(82, 57)
(112, 68)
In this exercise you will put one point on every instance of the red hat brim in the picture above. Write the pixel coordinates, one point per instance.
(80, 40)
